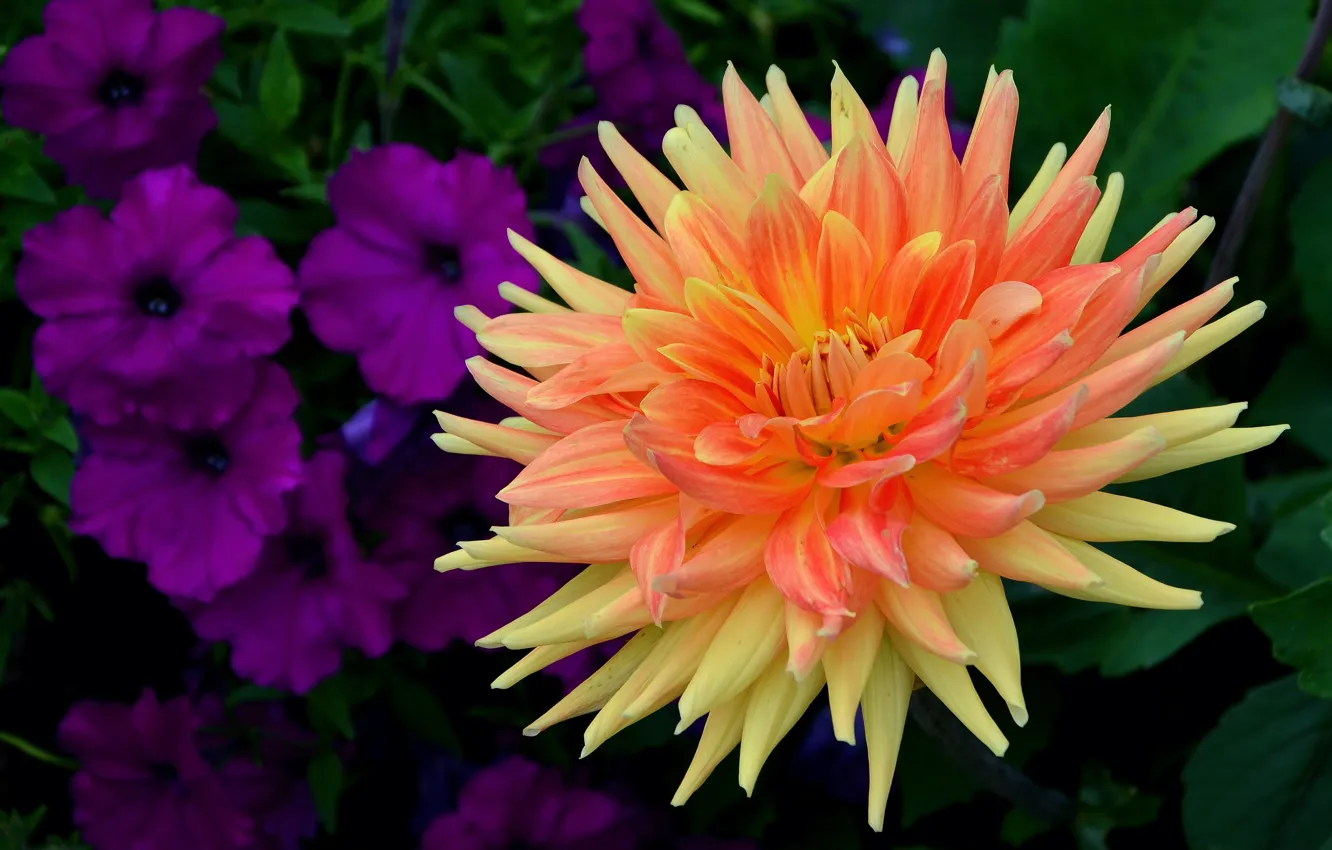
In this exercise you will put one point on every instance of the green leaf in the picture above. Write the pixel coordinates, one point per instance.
(17, 408)
(329, 707)
(250, 692)
(1300, 626)
(61, 432)
(303, 16)
(324, 774)
(1171, 70)
(1307, 100)
(30, 749)
(9, 493)
(1294, 553)
(280, 84)
(18, 179)
(964, 30)
(1261, 780)
(698, 10)
(421, 711)
(478, 100)
(277, 223)
(1309, 213)
(51, 469)
(1300, 395)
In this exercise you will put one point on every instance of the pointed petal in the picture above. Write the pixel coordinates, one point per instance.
(1176, 426)
(984, 222)
(802, 563)
(869, 539)
(707, 171)
(848, 662)
(843, 267)
(1071, 473)
(1041, 183)
(1209, 338)
(940, 294)
(756, 144)
(1187, 317)
(952, 685)
(1091, 245)
(1224, 444)
(991, 144)
(781, 239)
(964, 506)
(515, 444)
(1079, 166)
(729, 556)
(688, 406)
(1049, 245)
(1026, 553)
(850, 117)
(982, 618)
(918, 615)
(777, 702)
(1107, 518)
(1011, 443)
(720, 735)
(703, 245)
(935, 561)
(533, 339)
(588, 468)
(804, 147)
(1123, 585)
(868, 191)
(511, 389)
(902, 124)
(604, 536)
(660, 552)
(653, 189)
(644, 252)
(596, 690)
(930, 172)
(884, 701)
(582, 292)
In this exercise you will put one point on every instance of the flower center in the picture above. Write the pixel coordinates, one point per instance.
(207, 453)
(811, 382)
(120, 88)
(444, 260)
(307, 552)
(465, 523)
(157, 297)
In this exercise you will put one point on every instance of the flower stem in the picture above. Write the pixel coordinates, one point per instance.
(994, 774)
(1241, 215)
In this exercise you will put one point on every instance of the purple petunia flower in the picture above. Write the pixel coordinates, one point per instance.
(194, 504)
(114, 87)
(414, 239)
(636, 64)
(143, 783)
(144, 308)
(263, 771)
(311, 596)
(518, 803)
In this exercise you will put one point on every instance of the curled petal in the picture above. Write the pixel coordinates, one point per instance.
(964, 506)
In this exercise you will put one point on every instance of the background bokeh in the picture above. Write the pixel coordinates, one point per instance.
(218, 622)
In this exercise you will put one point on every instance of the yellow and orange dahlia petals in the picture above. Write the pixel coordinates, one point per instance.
(851, 391)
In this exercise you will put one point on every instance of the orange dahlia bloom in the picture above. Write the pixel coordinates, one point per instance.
(849, 394)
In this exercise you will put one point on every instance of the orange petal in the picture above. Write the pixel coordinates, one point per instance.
(1012, 441)
(891, 294)
(985, 222)
(1187, 317)
(868, 191)
(1050, 244)
(735, 319)
(806, 150)
(511, 389)
(1000, 306)
(771, 490)
(940, 294)
(887, 370)
(688, 406)
(513, 443)
(1158, 240)
(919, 615)
(991, 144)
(722, 444)
(1070, 474)
(1113, 386)
(649, 331)
(870, 414)
(804, 640)
(582, 292)
(756, 144)
(931, 173)
(703, 245)
(613, 368)
(867, 538)
(659, 553)
(547, 339)
(653, 189)
(802, 563)
(1080, 165)
(711, 365)
(1064, 296)
(1007, 384)
(644, 252)
(729, 556)
(865, 471)
(1108, 312)
(843, 267)
(588, 468)
(1026, 553)
(964, 506)
(782, 238)
(935, 561)
(931, 438)
(595, 538)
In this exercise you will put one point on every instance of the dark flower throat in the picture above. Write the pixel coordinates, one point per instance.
(157, 298)
(206, 453)
(445, 261)
(120, 88)
(308, 553)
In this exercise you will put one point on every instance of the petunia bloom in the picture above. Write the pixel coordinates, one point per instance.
(850, 394)
(516, 803)
(143, 783)
(115, 87)
(195, 504)
(144, 308)
(311, 596)
(414, 239)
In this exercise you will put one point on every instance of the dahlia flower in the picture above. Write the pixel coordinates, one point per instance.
(850, 394)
